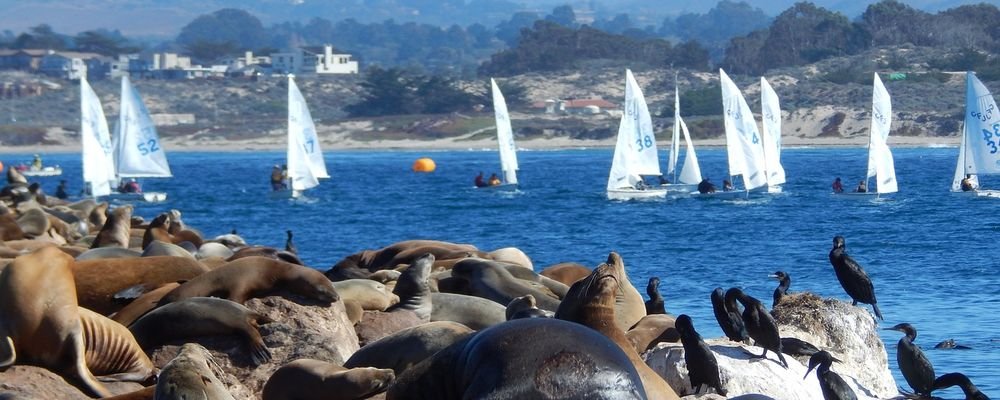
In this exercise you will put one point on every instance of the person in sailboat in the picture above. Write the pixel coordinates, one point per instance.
(36, 163)
(726, 185)
(705, 186)
(131, 186)
(480, 181)
(862, 187)
(837, 186)
(277, 178)
(641, 184)
(664, 180)
(61, 192)
(967, 185)
(494, 180)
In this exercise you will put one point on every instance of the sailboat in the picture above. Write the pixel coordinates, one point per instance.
(305, 162)
(505, 142)
(743, 142)
(770, 111)
(690, 172)
(138, 152)
(880, 162)
(635, 151)
(978, 153)
(97, 156)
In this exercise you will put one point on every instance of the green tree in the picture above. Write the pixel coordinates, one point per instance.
(385, 92)
(104, 43)
(439, 95)
(41, 37)
(230, 30)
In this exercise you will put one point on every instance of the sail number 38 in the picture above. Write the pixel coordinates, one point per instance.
(148, 147)
(991, 136)
(644, 142)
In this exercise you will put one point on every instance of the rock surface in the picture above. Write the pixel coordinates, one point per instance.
(848, 332)
(30, 382)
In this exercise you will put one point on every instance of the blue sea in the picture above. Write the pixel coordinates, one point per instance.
(933, 255)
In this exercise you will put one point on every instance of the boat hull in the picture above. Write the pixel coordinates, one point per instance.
(149, 197)
(679, 187)
(981, 193)
(46, 171)
(507, 187)
(629, 194)
(727, 195)
(285, 194)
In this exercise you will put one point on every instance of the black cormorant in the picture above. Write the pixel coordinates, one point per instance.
(759, 324)
(655, 303)
(832, 385)
(797, 347)
(784, 281)
(955, 378)
(289, 246)
(703, 369)
(729, 318)
(916, 368)
(852, 277)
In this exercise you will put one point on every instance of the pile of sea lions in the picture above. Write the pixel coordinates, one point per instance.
(92, 292)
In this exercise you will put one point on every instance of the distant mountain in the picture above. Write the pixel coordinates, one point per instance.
(165, 18)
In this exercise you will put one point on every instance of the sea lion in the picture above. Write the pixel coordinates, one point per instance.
(536, 358)
(363, 263)
(108, 252)
(414, 306)
(39, 318)
(549, 286)
(202, 316)
(524, 307)
(650, 330)
(112, 352)
(370, 295)
(9, 229)
(34, 222)
(97, 281)
(491, 281)
(385, 275)
(189, 376)
(157, 230)
(146, 393)
(475, 312)
(308, 379)
(591, 302)
(142, 304)
(116, 230)
(567, 272)
(629, 305)
(251, 277)
(408, 347)
(264, 251)
(512, 255)
(159, 248)
(213, 249)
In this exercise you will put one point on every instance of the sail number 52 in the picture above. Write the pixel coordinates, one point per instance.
(147, 147)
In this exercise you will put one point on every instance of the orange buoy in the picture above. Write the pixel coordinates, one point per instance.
(1, 167)
(424, 164)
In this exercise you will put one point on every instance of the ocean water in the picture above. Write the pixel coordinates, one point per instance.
(933, 255)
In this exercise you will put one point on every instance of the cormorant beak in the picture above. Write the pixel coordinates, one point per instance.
(807, 372)
(835, 359)
(774, 276)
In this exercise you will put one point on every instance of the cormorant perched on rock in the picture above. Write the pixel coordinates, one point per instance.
(729, 317)
(702, 367)
(950, 344)
(797, 347)
(852, 277)
(759, 324)
(655, 303)
(955, 378)
(832, 385)
(916, 368)
(289, 246)
(784, 281)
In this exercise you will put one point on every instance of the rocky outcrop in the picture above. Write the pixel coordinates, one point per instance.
(849, 333)
(29, 382)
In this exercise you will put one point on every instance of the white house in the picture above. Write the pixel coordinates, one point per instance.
(303, 61)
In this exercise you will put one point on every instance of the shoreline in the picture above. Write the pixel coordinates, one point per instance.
(276, 144)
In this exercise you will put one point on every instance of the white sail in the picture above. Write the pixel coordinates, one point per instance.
(305, 158)
(138, 151)
(635, 150)
(965, 165)
(675, 139)
(505, 136)
(770, 111)
(880, 162)
(982, 124)
(743, 147)
(97, 154)
(690, 171)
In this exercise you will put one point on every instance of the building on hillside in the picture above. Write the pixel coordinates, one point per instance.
(158, 61)
(22, 60)
(72, 65)
(308, 61)
(574, 106)
(247, 66)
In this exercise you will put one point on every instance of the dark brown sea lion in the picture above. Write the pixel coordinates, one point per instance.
(142, 304)
(157, 230)
(97, 281)
(534, 358)
(202, 316)
(9, 229)
(566, 272)
(408, 347)
(116, 230)
(308, 379)
(39, 318)
(112, 352)
(189, 376)
(414, 306)
(591, 302)
(629, 305)
(256, 277)
(489, 280)
(363, 263)
(263, 251)
(146, 393)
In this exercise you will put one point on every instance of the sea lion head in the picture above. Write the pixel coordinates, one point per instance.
(368, 381)
(312, 284)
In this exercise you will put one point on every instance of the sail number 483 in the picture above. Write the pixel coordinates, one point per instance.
(989, 137)
(148, 147)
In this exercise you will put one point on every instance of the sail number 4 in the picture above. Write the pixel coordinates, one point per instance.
(989, 137)
(148, 147)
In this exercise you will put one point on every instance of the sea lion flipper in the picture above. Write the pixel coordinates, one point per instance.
(9, 341)
(259, 353)
(82, 372)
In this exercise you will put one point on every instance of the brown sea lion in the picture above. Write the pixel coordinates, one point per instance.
(308, 379)
(524, 307)
(189, 376)
(414, 306)
(264, 251)
(160, 248)
(251, 277)
(629, 305)
(116, 230)
(490, 280)
(97, 281)
(363, 263)
(512, 255)
(34, 222)
(534, 358)
(146, 393)
(408, 347)
(369, 294)
(112, 352)
(157, 230)
(98, 215)
(9, 229)
(566, 272)
(39, 318)
(475, 312)
(652, 329)
(202, 316)
(146, 301)
(591, 302)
